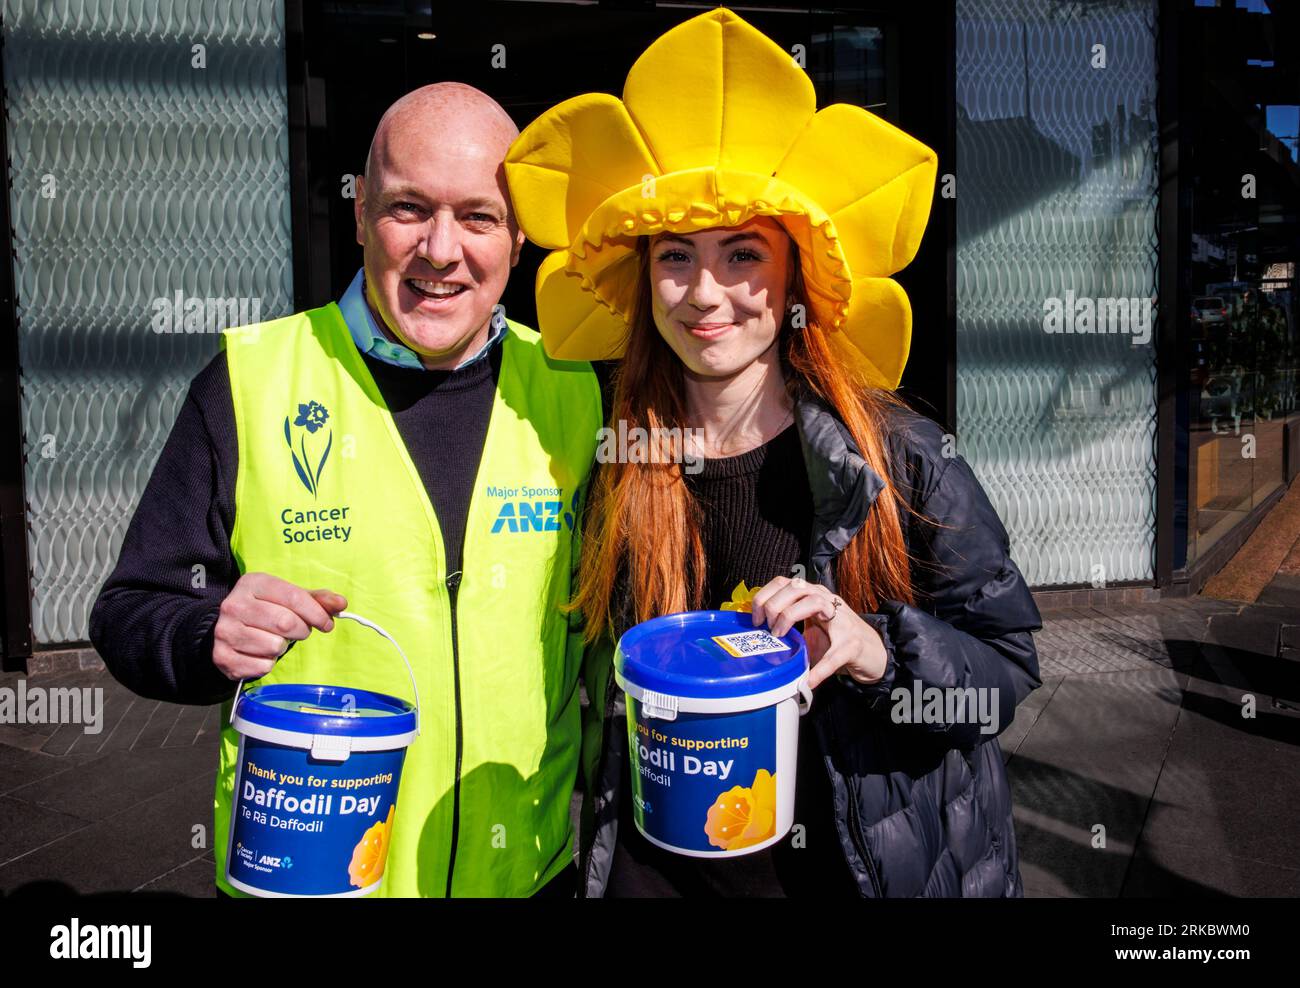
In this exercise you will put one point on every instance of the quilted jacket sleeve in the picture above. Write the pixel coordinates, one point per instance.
(971, 626)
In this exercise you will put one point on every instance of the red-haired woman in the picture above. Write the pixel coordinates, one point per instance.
(732, 245)
(908, 585)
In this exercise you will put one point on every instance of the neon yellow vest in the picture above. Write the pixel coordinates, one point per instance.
(342, 507)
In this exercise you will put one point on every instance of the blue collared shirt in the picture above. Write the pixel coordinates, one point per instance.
(370, 339)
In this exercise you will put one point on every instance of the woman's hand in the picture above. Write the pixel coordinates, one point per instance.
(838, 640)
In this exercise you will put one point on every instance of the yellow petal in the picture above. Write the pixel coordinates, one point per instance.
(879, 202)
(716, 91)
(573, 323)
(877, 334)
(764, 790)
(568, 161)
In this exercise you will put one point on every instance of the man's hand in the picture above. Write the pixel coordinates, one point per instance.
(260, 616)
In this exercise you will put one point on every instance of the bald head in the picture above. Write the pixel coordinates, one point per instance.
(435, 221)
(447, 112)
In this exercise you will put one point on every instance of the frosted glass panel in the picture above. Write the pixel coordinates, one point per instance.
(150, 201)
(1057, 174)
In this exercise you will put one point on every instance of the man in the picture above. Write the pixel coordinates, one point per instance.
(419, 456)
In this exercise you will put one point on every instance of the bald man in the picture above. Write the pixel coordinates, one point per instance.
(411, 456)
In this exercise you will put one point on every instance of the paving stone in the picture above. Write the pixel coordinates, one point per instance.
(109, 783)
(159, 726)
(1290, 635)
(211, 726)
(1226, 795)
(20, 767)
(128, 728)
(1069, 648)
(121, 852)
(195, 879)
(1026, 714)
(1092, 757)
(1053, 841)
(1253, 672)
(1192, 871)
(24, 827)
(29, 737)
(1121, 641)
(186, 728)
(115, 701)
(1283, 590)
(1246, 633)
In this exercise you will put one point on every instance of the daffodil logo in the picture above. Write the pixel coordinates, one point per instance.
(743, 816)
(312, 416)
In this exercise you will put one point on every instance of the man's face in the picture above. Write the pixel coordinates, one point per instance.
(439, 238)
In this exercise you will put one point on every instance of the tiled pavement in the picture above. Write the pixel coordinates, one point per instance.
(1137, 738)
(1137, 730)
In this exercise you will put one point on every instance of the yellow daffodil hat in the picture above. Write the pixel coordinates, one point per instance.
(718, 125)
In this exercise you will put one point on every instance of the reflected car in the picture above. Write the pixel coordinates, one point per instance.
(1209, 310)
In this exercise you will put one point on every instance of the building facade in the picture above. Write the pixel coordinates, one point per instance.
(1105, 300)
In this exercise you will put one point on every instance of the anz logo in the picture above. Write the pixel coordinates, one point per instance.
(529, 516)
(520, 515)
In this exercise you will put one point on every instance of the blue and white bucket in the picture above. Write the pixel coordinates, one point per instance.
(316, 785)
(713, 707)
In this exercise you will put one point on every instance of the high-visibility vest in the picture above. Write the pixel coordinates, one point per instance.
(326, 496)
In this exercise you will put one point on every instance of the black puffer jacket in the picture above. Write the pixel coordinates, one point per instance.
(922, 809)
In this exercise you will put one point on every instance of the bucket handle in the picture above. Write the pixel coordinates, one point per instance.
(804, 697)
(373, 627)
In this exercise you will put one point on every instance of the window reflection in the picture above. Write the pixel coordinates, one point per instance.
(1241, 327)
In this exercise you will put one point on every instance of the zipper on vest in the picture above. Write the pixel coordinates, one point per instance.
(453, 583)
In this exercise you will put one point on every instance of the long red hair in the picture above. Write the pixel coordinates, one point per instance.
(642, 519)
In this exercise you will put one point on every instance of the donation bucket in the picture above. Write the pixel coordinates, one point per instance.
(316, 785)
(713, 707)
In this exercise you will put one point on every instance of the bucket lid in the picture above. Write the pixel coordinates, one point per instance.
(709, 654)
(308, 709)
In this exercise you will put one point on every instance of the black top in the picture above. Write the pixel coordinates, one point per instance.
(152, 625)
(757, 523)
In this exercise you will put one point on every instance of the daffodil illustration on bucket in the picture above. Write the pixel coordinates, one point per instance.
(742, 817)
(371, 853)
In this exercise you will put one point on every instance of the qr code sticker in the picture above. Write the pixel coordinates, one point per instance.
(751, 643)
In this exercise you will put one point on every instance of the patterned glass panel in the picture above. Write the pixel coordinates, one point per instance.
(149, 187)
(1057, 168)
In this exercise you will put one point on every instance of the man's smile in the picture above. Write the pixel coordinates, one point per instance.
(437, 291)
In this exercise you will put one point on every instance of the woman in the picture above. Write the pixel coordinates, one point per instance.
(739, 269)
